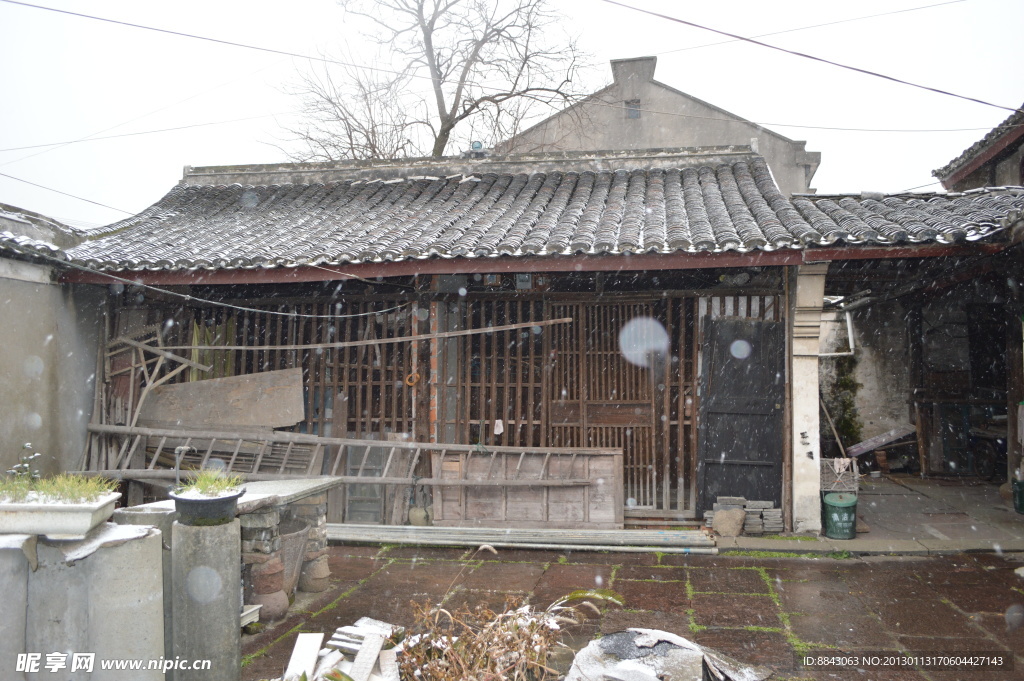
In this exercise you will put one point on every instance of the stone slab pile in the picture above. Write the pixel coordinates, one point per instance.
(761, 517)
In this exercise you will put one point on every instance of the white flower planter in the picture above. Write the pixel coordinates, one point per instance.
(55, 519)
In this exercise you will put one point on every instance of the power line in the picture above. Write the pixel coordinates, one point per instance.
(803, 55)
(805, 28)
(734, 38)
(51, 189)
(190, 298)
(919, 187)
(143, 132)
(218, 41)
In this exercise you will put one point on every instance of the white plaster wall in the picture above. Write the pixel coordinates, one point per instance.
(806, 444)
(883, 363)
(49, 338)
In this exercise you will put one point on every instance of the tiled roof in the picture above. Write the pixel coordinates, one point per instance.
(1016, 119)
(732, 206)
(17, 243)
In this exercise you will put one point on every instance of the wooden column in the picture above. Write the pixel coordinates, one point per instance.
(1014, 380)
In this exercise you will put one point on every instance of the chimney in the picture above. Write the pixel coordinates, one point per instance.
(638, 70)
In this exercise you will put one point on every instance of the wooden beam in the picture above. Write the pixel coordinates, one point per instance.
(377, 341)
(573, 263)
(303, 438)
(164, 353)
(168, 474)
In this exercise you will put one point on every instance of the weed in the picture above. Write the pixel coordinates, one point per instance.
(23, 483)
(483, 644)
(767, 554)
(210, 483)
(839, 555)
(695, 628)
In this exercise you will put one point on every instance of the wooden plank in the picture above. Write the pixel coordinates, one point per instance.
(877, 441)
(304, 655)
(269, 399)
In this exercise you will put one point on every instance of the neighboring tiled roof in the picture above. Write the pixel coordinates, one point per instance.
(733, 206)
(1015, 119)
(23, 245)
(880, 218)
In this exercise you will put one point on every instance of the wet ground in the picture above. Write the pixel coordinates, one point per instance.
(906, 507)
(760, 610)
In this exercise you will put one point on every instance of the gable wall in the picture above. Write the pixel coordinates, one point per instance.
(601, 123)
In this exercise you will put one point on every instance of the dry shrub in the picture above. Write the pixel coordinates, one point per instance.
(484, 645)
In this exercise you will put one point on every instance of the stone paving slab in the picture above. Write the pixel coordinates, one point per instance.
(759, 609)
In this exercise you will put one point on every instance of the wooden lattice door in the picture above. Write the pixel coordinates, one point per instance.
(597, 398)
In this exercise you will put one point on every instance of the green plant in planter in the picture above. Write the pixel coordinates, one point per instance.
(210, 483)
(23, 483)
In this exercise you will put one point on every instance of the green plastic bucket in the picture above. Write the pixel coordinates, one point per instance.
(1018, 495)
(841, 515)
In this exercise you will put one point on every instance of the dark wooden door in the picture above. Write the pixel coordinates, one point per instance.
(741, 411)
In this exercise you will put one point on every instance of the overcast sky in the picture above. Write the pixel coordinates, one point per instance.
(65, 78)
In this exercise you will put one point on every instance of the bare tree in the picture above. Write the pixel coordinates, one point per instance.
(481, 67)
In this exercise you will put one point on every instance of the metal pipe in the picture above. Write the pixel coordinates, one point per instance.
(703, 550)
(849, 335)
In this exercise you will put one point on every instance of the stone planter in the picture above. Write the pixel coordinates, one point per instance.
(56, 519)
(200, 511)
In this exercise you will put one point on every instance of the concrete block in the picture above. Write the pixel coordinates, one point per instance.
(207, 599)
(314, 500)
(58, 603)
(262, 545)
(732, 501)
(760, 504)
(14, 571)
(162, 517)
(126, 605)
(259, 533)
(269, 518)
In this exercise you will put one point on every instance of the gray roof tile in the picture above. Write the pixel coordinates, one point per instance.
(731, 206)
(1016, 119)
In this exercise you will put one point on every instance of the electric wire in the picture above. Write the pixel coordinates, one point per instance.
(597, 102)
(812, 26)
(190, 298)
(803, 55)
(337, 62)
(141, 132)
(51, 189)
